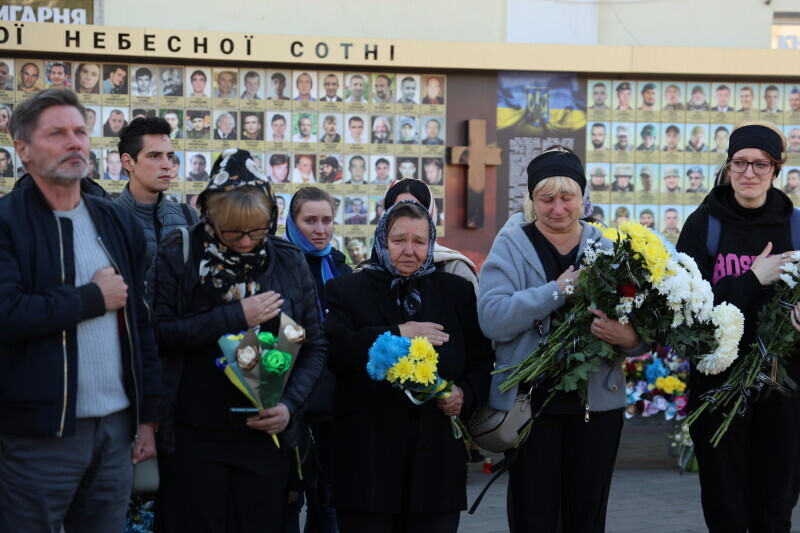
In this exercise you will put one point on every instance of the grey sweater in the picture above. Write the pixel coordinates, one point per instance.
(101, 390)
(514, 292)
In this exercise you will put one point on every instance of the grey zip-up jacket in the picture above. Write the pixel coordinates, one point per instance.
(159, 219)
(514, 293)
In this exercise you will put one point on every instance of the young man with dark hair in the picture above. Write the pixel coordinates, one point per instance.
(114, 124)
(278, 125)
(6, 164)
(278, 81)
(198, 81)
(58, 76)
(197, 168)
(144, 82)
(358, 170)
(146, 154)
(115, 82)
(279, 168)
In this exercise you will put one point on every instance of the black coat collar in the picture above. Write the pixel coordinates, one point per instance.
(386, 304)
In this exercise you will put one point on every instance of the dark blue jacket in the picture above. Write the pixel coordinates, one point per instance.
(88, 186)
(40, 308)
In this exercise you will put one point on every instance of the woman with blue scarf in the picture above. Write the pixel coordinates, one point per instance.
(398, 467)
(310, 226)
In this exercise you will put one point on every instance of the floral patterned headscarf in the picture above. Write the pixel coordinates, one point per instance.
(225, 273)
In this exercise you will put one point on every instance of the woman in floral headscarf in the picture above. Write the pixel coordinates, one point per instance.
(398, 467)
(220, 471)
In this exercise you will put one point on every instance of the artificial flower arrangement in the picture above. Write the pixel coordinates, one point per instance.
(411, 365)
(640, 278)
(141, 514)
(657, 383)
(259, 363)
(763, 367)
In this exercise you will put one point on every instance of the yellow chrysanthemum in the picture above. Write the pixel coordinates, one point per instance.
(598, 226)
(403, 370)
(611, 234)
(649, 247)
(670, 385)
(422, 350)
(425, 373)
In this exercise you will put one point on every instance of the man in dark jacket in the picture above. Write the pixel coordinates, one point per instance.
(146, 153)
(79, 371)
(88, 186)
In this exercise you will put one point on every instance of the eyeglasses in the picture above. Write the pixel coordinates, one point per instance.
(255, 234)
(759, 167)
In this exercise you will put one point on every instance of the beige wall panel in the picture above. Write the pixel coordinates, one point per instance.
(450, 20)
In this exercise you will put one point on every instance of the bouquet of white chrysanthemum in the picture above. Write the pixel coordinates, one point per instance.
(641, 279)
(762, 368)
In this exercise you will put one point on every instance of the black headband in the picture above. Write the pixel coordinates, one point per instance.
(755, 136)
(555, 163)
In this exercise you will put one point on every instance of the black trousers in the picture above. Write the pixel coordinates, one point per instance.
(566, 464)
(217, 482)
(749, 482)
(366, 522)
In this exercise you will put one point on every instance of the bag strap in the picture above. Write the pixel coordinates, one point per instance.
(498, 470)
(714, 228)
(712, 238)
(185, 236)
(794, 228)
(187, 214)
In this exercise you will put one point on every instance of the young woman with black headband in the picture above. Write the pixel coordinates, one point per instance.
(740, 237)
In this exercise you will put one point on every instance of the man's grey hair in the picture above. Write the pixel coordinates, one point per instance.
(26, 115)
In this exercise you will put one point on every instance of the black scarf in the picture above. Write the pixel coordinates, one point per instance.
(225, 273)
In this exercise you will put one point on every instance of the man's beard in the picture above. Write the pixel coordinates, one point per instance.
(54, 173)
(381, 136)
(597, 145)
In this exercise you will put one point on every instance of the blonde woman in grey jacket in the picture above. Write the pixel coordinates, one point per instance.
(572, 446)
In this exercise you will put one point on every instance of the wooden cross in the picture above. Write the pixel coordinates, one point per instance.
(477, 156)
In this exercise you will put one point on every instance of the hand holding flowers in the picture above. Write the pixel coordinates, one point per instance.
(272, 420)
(259, 364)
(761, 370)
(451, 405)
(769, 268)
(636, 279)
(411, 366)
(613, 331)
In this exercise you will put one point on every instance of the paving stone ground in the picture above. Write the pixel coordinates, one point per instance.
(647, 492)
